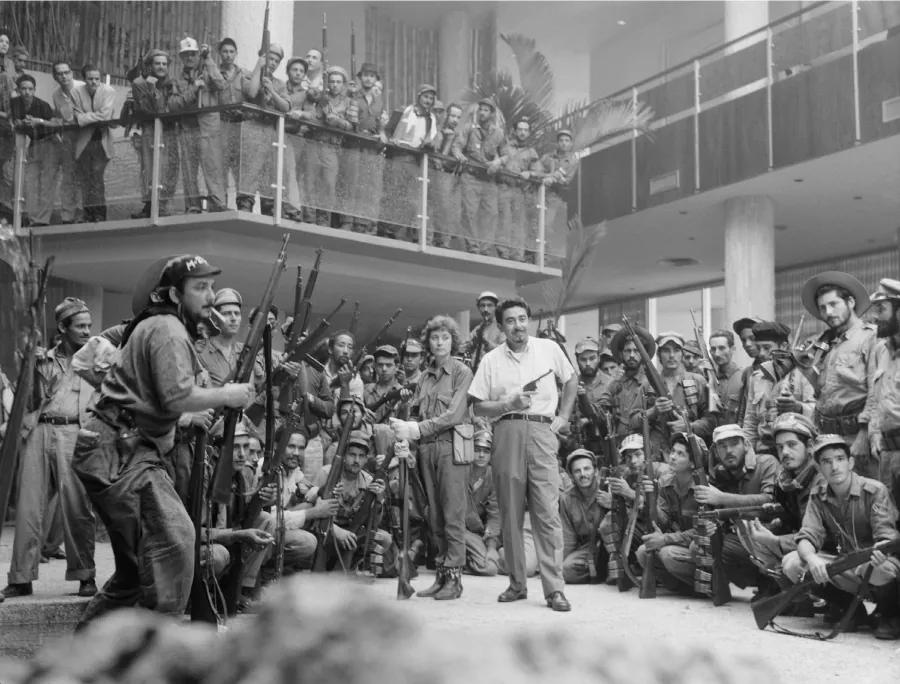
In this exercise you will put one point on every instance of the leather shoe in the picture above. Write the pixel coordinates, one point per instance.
(88, 588)
(511, 595)
(17, 590)
(888, 629)
(558, 602)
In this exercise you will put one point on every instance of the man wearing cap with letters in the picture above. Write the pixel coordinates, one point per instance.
(592, 382)
(884, 428)
(49, 433)
(526, 444)
(847, 362)
(197, 87)
(124, 451)
(486, 335)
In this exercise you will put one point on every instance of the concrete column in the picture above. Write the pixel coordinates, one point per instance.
(749, 258)
(243, 22)
(455, 38)
(742, 17)
(93, 297)
(464, 321)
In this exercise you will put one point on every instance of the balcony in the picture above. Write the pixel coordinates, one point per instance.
(818, 82)
(390, 217)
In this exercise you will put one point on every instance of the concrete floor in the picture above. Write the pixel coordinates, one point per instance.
(601, 610)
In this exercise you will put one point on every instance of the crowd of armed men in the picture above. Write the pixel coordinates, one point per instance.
(653, 463)
(482, 193)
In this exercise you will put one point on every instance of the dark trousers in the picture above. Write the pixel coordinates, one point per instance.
(91, 169)
(446, 485)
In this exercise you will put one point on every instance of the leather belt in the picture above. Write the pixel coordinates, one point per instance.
(526, 417)
(58, 420)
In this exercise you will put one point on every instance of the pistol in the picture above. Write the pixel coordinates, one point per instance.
(532, 386)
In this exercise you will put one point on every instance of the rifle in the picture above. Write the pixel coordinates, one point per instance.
(648, 578)
(264, 48)
(352, 51)
(365, 520)
(374, 342)
(297, 311)
(404, 586)
(391, 395)
(322, 527)
(479, 346)
(306, 302)
(324, 42)
(711, 379)
(24, 387)
(354, 320)
(202, 607)
(764, 512)
(587, 410)
(653, 376)
(222, 475)
(308, 344)
(766, 610)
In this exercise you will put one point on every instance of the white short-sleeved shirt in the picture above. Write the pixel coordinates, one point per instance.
(503, 371)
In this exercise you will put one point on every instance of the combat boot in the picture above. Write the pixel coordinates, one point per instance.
(440, 578)
(452, 588)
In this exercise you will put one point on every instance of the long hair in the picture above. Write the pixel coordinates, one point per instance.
(438, 323)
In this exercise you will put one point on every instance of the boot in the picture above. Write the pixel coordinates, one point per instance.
(452, 588)
(439, 579)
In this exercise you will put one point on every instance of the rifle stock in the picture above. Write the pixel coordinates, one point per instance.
(202, 608)
(766, 610)
(322, 527)
(648, 578)
(404, 586)
(711, 380)
(222, 475)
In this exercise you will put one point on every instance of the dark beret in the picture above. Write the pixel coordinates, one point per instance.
(771, 331)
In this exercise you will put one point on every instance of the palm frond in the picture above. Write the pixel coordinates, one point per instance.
(535, 74)
(512, 102)
(608, 118)
(582, 244)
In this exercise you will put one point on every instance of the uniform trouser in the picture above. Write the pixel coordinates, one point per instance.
(169, 161)
(479, 214)
(151, 533)
(45, 470)
(739, 568)
(231, 154)
(576, 569)
(447, 488)
(67, 173)
(864, 466)
(362, 176)
(476, 556)
(555, 223)
(512, 231)
(40, 175)
(256, 158)
(326, 182)
(674, 565)
(525, 469)
(849, 581)
(444, 207)
(54, 532)
(91, 169)
(889, 472)
(202, 148)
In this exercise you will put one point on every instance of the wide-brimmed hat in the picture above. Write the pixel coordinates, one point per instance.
(838, 279)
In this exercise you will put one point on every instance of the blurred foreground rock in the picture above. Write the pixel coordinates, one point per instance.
(323, 630)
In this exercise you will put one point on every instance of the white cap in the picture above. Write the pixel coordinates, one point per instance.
(188, 45)
(631, 442)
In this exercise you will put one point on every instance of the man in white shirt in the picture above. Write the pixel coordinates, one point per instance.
(93, 101)
(64, 167)
(525, 444)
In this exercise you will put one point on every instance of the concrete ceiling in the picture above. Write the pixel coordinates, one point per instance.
(817, 219)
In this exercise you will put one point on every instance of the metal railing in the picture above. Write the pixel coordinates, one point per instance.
(252, 159)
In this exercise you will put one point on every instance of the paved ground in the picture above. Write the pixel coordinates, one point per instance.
(603, 611)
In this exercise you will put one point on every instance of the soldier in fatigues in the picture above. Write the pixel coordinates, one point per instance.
(556, 170)
(581, 509)
(593, 383)
(482, 513)
(884, 428)
(333, 110)
(516, 161)
(486, 335)
(625, 395)
(364, 175)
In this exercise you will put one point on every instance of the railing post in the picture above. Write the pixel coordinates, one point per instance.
(279, 171)
(542, 225)
(854, 9)
(155, 186)
(19, 181)
(770, 77)
(423, 217)
(696, 125)
(634, 137)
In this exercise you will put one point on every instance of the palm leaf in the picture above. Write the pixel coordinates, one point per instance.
(582, 244)
(535, 74)
(608, 118)
(512, 102)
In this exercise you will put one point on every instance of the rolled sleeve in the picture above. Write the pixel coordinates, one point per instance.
(813, 527)
(460, 379)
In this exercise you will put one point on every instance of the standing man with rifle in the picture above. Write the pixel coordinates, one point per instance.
(743, 328)
(885, 425)
(377, 394)
(513, 385)
(411, 364)
(845, 514)
(625, 395)
(141, 400)
(729, 376)
(592, 384)
(364, 177)
(487, 335)
(339, 379)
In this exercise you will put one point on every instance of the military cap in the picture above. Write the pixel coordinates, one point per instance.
(352, 399)
(413, 346)
(726, 432)
(241, 430)
(255, 310)
(368, 358)
(370, 67)
(744, 323)
(692, 347)
(425, 88)
(631, 442)
(296, 60)
(605, 352)
(489, 102)
(611, 327)
(186, 266)
(276, 49)
(227, 41)
(484, 438)
(829, 441)
(888, 290)
(667, 337)
(564, 131)
(487, 294)
(228, 295)
(69, 307)
(771, 331)
(335, 69)
(386, 350)
(359, 438)
(439, 106)
(188, 45)
(586, 345)
(838, 279)
(796, 423)
(621, 338)
(580, 453)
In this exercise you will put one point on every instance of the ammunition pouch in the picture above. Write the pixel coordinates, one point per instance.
(891, 439)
